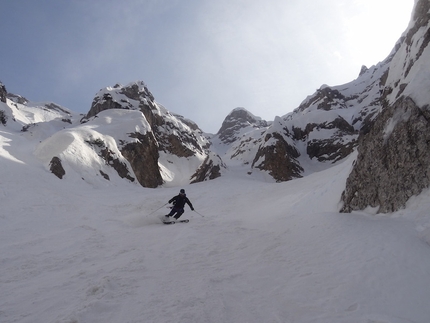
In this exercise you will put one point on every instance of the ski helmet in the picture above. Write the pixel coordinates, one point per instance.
(182, 191)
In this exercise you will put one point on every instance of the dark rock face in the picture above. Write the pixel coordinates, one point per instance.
(3, 117)
(208, 170)
(421, 17)
(143, 158)
(363, 70)
(333, 148)
(112, 160)
(3, 93)
(278, 159)
(105, 103)
(237, 120)
(330, 149)
(105, 176)
(56, 167)
(134, 96)
(393, 161)
(100, 147)
(326, 99)
(17, 98)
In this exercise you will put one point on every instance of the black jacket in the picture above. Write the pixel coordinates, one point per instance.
(180, 200)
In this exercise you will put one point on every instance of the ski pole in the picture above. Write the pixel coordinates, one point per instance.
(199, 214)
(158, 209)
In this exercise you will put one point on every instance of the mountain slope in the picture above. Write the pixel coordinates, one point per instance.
(91, 247)
(125, 133)
(383, 113)
(157, 147)
(261, 253)
(323, 130)
(393, 161)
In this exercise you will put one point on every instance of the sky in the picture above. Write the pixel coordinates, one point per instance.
(199, 58)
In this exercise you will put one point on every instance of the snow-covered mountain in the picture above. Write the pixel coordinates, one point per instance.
(168, 149)
(394, 161)
(81, 240)
(127, 134)
(384, 112)
(321, 131)
(237, 123)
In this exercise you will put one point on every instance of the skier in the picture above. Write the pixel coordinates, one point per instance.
(178, 204)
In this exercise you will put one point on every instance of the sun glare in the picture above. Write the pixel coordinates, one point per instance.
(375, 28)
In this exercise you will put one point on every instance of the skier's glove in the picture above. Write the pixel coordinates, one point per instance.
(192, 209)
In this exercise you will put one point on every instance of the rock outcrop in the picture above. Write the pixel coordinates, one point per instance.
(56, 167)
(238, 122)
(167, 135)
(278, 158)
(143, 157)
(393, 160)
(393, 163)
(208, 170)
(3, 93)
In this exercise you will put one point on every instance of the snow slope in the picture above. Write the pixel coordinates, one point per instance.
(261, 252)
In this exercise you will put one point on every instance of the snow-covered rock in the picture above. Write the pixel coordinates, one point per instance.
(171, 149)
(238, 122)
(394, 160)
(393, 163)
(37, 119)
(323, 129)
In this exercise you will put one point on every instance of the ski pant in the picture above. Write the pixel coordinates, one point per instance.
(178, 211)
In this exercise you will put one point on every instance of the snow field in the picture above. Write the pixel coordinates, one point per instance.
(263, 252)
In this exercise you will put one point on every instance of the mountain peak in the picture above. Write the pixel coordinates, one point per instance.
(129, 97)
(237, 122)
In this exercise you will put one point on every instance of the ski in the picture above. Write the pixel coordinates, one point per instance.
(176, 221)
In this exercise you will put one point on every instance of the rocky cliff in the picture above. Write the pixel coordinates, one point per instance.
(168, 136)
(393, 163)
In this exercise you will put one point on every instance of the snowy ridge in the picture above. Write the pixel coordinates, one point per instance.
(27, 114)
(321, 131)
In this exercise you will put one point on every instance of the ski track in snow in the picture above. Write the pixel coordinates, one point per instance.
(263, 252)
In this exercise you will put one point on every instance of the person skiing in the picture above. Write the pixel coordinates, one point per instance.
(178, 204)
